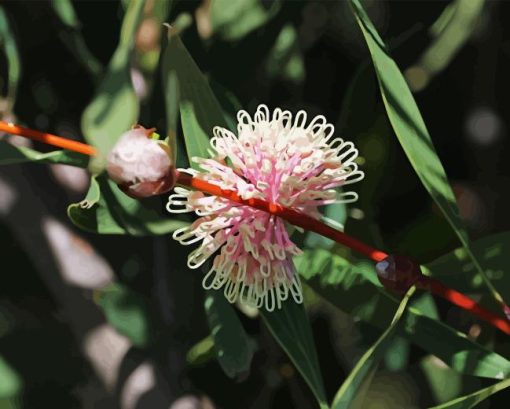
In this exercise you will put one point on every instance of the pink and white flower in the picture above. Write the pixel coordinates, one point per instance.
(277, 158)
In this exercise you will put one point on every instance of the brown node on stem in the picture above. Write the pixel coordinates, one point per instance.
(398, 273)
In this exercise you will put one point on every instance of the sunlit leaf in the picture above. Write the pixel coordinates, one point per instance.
(473, 399)
(350, 395)
(232, 20)
(234, 348)
(354, 291)
(291, 328)
(186, 87)
(201, 352)
(114, 108)
(107, 210)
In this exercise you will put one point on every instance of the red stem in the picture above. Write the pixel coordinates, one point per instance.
(464, 302)
(292, 216)
(48, 138)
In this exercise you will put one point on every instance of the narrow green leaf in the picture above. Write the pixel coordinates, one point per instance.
(108, 210)
(72, 37)
(412, 133)
(10, 154)
(408, 122)
(355, 291)
(473, 399)
(8, 43)
(348, 396)
(186, 87)
(291, 328)
(232, 20)
(114, 109)
(234, 348)
(127, 312)
(65, 11)
(452, 30)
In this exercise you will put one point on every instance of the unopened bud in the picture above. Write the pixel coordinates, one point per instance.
(506, 310)
(398, 273)
(141, 166)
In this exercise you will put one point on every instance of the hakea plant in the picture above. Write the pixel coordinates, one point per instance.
(277, 158)
(277, 170)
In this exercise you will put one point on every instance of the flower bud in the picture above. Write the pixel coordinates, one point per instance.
(398, 273)
(141, 166)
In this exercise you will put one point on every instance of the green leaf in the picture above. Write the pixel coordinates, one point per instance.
(108, 210)
(114, 109)
(229, 103)
(285, 59)
(471, 400)
(349, 395)
(186, 87)
(291, 328)
(10, 384)
(396, 357)
(10, 154)
(234, 348)
(456, 268)
(452, 30)
(65, 11)
(8, 43)
(408, 122)
(355, 291)
(232, 20)
(201, 352)
(444, 383)
(334, 215)
(126, 311)
(412, 133)
(72, 37)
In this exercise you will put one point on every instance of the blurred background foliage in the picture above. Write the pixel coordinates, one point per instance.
(99, 321)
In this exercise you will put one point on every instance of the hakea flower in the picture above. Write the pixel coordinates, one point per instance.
(279, 159)
(395, 272)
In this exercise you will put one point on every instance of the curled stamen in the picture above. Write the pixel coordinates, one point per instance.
(274, 159)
